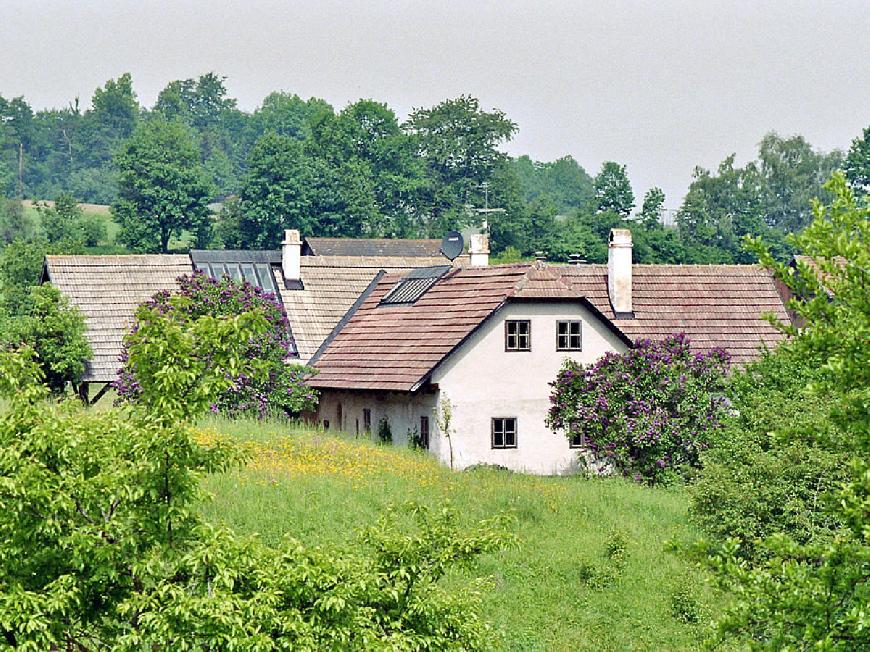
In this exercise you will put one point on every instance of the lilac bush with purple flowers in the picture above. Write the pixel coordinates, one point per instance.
(277, 387)
(647, 412)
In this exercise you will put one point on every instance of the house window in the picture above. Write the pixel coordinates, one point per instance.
(424, 432)
(367, 420)
(569, 336)
(504, 432)
(518, 335)
(578, 440)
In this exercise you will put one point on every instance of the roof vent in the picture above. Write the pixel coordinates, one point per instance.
(413, 286)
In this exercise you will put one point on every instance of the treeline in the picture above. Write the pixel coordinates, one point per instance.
(361, 171)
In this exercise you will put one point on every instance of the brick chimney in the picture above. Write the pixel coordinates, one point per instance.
(619, 272)
(291, 254)
(479, 250)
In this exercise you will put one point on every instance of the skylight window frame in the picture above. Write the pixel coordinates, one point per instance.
(413, 286)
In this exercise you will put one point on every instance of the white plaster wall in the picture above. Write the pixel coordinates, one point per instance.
(403, 412)
(483, 381)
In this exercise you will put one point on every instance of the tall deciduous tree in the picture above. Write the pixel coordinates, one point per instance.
(161, 187)
(653, 205)
(793, 174)
(459, 143)
(276, 192)
(613, 190)
(857, 165)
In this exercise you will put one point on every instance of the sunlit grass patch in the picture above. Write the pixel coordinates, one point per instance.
(325, 489)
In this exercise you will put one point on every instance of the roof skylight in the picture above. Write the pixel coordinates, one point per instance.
(253, 267)
(413, 286)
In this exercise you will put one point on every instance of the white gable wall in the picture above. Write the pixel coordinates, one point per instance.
(483, 381)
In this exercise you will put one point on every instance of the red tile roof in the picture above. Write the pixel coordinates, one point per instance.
(395, 347)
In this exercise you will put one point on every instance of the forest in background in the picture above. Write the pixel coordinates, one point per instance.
(361, 172)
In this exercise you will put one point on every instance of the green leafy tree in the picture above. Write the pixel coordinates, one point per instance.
(815, 594)
(93, 229)
(289, 115)
(459, 144)
(775, 458)
(719, 209)
(56, 333)
(653, 205)
(276, 192)
(563, 182)
(794, 174)
(15, 222)
(161, 187)
(21, 265)
(857, 165)
(62, 222)
(613, 190)
(102, 545)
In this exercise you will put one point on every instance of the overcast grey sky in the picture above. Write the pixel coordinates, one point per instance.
(660, 86)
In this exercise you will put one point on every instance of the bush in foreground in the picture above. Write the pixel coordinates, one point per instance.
(649, 412)
(102, 548)
(814, 594)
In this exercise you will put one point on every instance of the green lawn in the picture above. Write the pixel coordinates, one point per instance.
(323, 490)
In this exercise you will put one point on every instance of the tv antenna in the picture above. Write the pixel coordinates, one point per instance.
(486, 211)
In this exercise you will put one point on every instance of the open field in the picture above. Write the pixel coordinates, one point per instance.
(112, 227)
(556, 590)
(100, 210)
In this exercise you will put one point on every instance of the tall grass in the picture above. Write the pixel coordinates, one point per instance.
(590, 571)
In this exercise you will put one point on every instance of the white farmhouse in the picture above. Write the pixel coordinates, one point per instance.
(488, 340)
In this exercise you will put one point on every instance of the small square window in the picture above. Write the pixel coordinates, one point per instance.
(578, 440)
(569, 336)
(504, 432)
(517, 335)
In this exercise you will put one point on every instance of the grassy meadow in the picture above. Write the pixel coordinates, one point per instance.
(562, 587)
(112, 228)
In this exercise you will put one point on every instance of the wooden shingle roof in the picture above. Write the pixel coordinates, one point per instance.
(715, 305)
(331, 285)
(396, 347)
(107, 290)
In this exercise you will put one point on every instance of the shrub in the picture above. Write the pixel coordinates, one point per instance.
(61, 222)
(774, 458)
(274, 388)
(93, 229)
(385, 433)
(56, 333)
(814, 595)
(649, 412)
(20, 268)
(102, 546)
